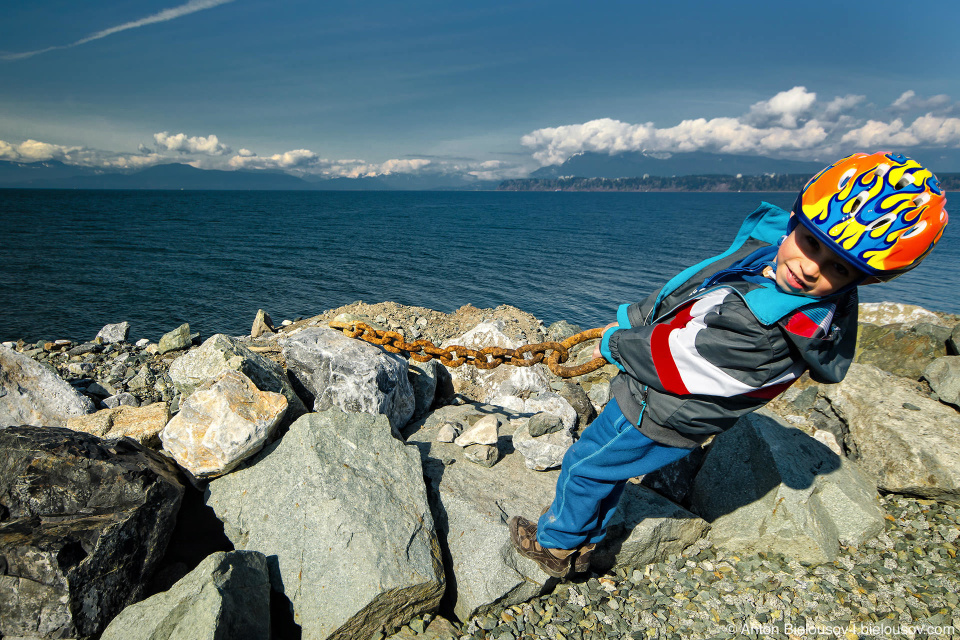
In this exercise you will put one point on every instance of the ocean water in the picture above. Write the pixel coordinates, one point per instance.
(73, 261)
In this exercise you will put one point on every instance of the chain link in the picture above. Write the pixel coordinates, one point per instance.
(554, 354)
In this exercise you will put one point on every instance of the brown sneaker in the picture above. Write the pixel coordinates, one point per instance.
(582, 561)
(523, 533)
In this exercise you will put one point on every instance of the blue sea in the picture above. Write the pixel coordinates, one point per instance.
(73, 261)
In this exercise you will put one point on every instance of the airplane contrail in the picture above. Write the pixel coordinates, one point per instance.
(167, 14)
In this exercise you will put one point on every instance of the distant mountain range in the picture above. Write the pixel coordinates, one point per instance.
(57, 175)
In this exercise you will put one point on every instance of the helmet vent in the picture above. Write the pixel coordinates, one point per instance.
(882, 220)
(921, 199)
(881, 170)
(845, 178)
(858, 202)
(905, 181)
(914, 230)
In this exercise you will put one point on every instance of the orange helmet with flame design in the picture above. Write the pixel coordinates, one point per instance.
(881, 212)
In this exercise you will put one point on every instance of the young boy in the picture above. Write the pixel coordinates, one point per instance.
(727, 335)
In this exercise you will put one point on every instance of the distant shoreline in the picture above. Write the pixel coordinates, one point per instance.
(682, 184)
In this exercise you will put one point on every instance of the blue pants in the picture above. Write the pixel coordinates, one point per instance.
(593, 476)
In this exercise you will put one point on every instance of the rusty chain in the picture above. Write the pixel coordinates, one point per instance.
(554, 354)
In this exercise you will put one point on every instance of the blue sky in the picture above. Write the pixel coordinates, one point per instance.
(492, 90)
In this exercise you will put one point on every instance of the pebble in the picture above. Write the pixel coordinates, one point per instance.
(80, 368)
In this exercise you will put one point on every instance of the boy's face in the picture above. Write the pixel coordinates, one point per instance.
(806, 265)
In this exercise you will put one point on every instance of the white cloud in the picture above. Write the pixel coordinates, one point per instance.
(791, 122)
(305, 161)
(132, 162)
(496, 170)
(904, 99)
(934, 130)
(296, 159)
(724, 135)
(784, 109)
(909, 100)
(925, 130)
(167, 14)
(37, 151)
(555, 144)
(209, 145)
(842, 104)
(412, 165)
(361, 169)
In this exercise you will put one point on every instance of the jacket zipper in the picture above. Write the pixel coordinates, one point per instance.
(696, 293)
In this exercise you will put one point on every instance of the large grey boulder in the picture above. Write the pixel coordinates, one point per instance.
(85, 522)
(338, 506)
(675, 480)
(221, 424)
(221, 353)
(768, 487)
(423, 379)
(908, 315)
(903, 352)
(31, 393)
(646, 528)
(907, 442)
(332, 370)
(943, 374)
(226, 597)
(953, 342)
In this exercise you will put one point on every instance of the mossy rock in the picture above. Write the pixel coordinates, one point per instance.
(902, 352)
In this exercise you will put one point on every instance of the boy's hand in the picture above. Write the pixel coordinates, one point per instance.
(596, 349)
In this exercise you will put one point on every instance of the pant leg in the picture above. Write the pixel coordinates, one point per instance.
(593, 476)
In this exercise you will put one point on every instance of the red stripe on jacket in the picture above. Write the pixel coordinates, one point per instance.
(771, 392)
(801, 325)
(663, 360)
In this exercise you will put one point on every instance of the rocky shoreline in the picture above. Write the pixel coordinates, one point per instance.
(406, 473)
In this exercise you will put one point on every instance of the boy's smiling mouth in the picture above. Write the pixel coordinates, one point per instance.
(792, 280)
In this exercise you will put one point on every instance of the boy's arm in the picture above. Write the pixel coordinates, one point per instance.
(714, 346)
(628, 316)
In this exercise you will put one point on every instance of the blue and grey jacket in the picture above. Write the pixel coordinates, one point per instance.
(711, 345)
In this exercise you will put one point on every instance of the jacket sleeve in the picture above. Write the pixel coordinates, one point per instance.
(712, 346)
